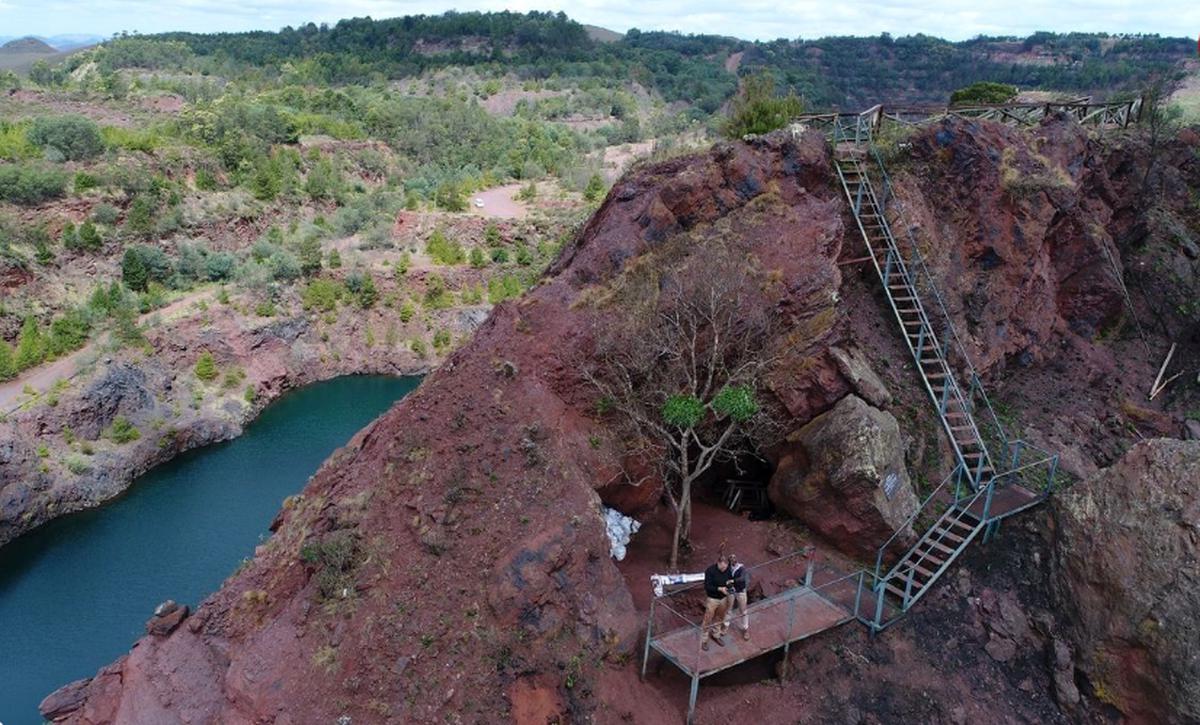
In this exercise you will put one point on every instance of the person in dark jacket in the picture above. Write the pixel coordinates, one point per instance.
(737, 597)
(718, 585)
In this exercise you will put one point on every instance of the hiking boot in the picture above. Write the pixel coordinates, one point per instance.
(720, 640)
(746, 634)
(704, 644)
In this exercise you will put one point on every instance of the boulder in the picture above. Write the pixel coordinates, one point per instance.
(65, 700)
(1126, 560)
(843, 476)
(857, 371)
(167, 617)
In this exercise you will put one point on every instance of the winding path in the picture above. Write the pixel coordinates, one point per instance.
(43, 377)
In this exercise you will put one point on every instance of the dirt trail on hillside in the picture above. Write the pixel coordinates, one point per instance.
(499, 203)
(43, 377)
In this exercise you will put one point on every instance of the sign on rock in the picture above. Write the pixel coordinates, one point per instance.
(891, 483)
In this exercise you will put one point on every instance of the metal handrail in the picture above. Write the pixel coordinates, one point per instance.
(977, 382)
(895, 256)
(912, 519)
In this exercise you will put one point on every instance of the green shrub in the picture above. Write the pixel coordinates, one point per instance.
(335, 259)
(436, 295)
(130, 139)
(449, 196)
(14, 142)
(407, 311)
(31, 345)
(68, 333)
(8, 367)
(106, 214)
(250, 395)
(122, 431)
(477, 258)
(322, 295)
(28, 185)
(403, 265)
(206, 367)
(418, 348)
(504, 288)
(595, 188)
(985, 92)
(143, 264)
(266, 308)
(443, 250)
(89, 238)
(85, 182)
(206, 180)
(441, 339)
(758, 109)
(75, 137)
(140, 220)
(309, 253)
(362, 286)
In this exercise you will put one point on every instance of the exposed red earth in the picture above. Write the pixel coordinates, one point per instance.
(450, 563)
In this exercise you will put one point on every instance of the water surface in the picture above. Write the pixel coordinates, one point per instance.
(76, 593)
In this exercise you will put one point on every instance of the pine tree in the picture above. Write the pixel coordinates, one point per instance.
(133, 271)
(310, 255)
(31, 347)
(7, 367)
(595, 188)
(206, 367)
(89, 238)
(478, 261)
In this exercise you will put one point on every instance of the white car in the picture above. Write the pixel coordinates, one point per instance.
(478, 203)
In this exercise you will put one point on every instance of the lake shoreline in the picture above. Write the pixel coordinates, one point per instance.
(177, 533)
(58, 456)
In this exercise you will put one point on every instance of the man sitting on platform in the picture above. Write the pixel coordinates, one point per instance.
(717, 587)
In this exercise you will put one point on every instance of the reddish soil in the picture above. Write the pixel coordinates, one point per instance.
(476, 493)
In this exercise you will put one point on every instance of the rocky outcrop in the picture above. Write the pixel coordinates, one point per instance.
(477, 492)
(1127, 559)
(843, 476)
(451, 561)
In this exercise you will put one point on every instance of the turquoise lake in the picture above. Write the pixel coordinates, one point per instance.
(76, 593)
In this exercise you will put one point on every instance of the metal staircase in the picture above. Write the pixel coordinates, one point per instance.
(989, 481)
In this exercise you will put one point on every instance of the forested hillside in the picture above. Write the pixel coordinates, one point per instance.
(699, 70)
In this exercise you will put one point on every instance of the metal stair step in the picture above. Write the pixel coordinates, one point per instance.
(947, 534)
(899, 593)
(936, 545)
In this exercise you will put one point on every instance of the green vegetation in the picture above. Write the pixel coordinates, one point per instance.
(322, 295)
(71, 138)
(758, 108)
(985, 92)
(206, 367)
(122, 431)
(443, 250)
(31, 184)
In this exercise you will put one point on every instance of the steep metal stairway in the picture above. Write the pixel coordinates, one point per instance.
(983, 488)
(929, 353)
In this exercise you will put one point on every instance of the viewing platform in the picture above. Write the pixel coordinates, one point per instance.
(795, 600)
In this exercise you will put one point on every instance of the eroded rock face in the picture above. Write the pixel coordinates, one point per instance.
(1127, 560)
(843, 476)
(471, 552)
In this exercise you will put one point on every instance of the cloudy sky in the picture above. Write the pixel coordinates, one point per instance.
(757, 19)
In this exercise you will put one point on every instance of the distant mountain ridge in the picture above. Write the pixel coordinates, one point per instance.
(27, 45)
(55, 43)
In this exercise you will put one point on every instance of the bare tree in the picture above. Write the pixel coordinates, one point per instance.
(684, 377)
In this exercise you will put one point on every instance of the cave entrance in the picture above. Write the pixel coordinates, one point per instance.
(739, 485)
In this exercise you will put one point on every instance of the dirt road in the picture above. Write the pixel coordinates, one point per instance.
(498, 203)
(43, 377)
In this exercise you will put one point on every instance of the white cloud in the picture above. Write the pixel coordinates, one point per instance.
(756, 19)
